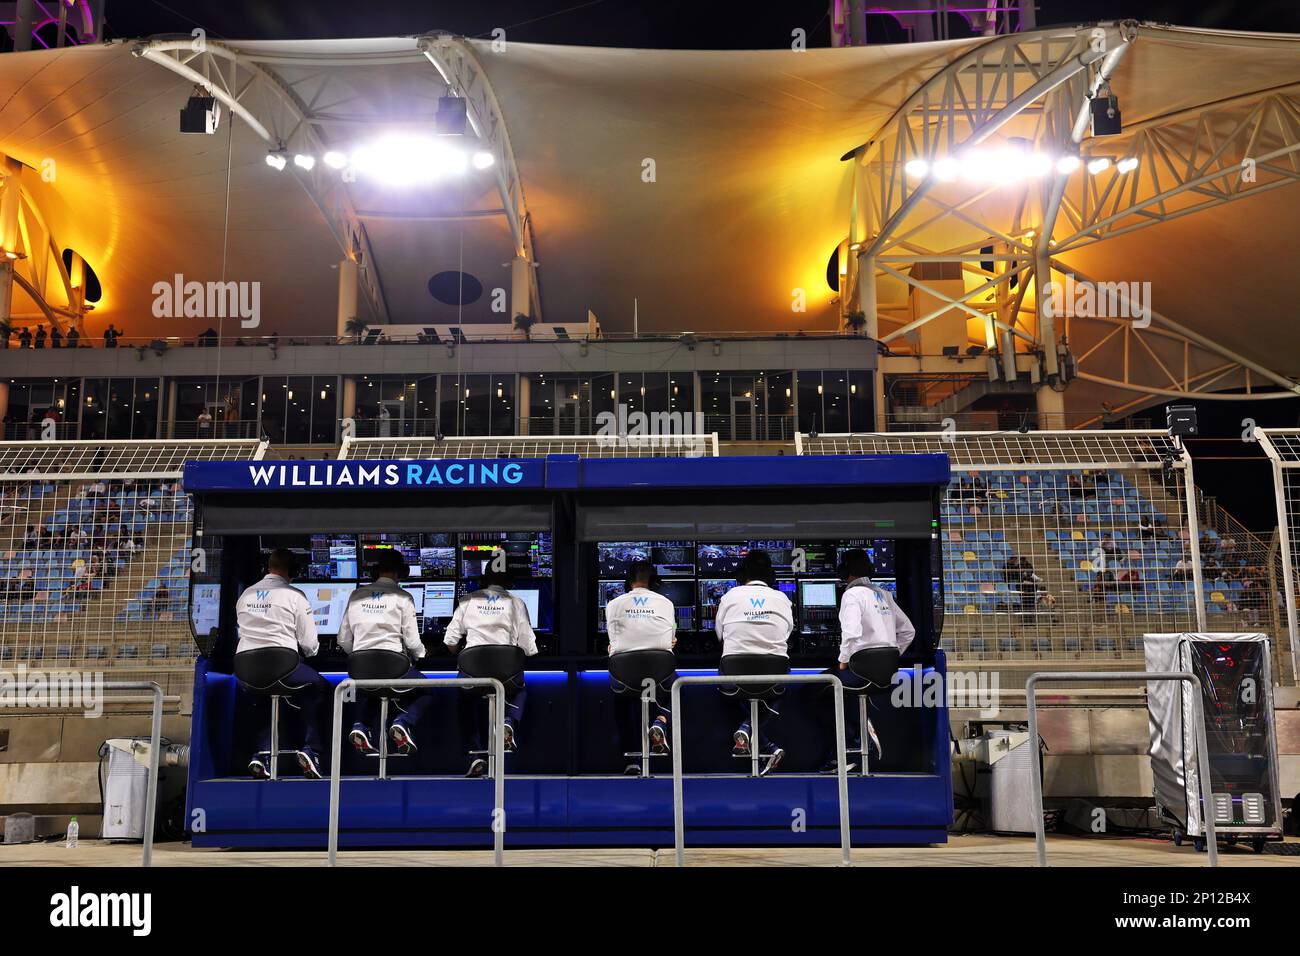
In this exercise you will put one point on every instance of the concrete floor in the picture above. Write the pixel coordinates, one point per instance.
(960, 851)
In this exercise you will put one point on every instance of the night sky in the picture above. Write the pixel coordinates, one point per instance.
(721, 24)
(697, 24)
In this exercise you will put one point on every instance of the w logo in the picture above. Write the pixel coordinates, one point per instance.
(263, 595)
(757, 602)
(376, 595)
(492, 598)
(638, 601)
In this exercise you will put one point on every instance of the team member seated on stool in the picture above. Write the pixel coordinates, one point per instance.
(491, 615)
(640, 620)
(381, 617)
(755, 618)
(272, 613)
(869, 617)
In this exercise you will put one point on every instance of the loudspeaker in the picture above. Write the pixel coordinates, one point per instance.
(451, 118)
(1181, 420)
(1106, 116)
(202, 114)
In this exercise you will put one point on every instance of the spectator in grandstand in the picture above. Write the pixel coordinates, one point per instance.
(382, 617)
(32, 538)
(869, 617)
(273, 613)
(1146, 526)
(56, 337)
(1227, 545)
(24, 338)
(207, 338)
(40, 337)
(640, 619)
(1046, 600)
(1130, 579)
(1108, 544)
(74, 338)
(1104, 584)
(110, 336)
(1182, 569)
(1074, 485)
(204, 423)
(479, 620)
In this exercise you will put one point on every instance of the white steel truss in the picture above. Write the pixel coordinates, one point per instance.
(461, 70)
(1036, 87)
(135, 458)
(39, 250)
(274, 111)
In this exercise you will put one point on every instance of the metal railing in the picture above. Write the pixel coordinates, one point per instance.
(498, 733)
(679, 808)
(1202, 749)
(155, 744)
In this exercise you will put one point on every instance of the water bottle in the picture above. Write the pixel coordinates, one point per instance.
(73, 831)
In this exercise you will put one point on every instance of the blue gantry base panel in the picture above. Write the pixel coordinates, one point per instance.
(569, 728)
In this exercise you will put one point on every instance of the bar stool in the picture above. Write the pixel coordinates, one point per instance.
(504, 662)
(262, 672)
(876, 666)
(379, 664)
(749, 665)
(629, 672)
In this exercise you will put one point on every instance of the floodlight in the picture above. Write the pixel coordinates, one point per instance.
(336, 160)
(303, 161)
(1098, 165)
(1067, 164)
(276, 160)
(1127, 164)
(483, 159)
(916, 168)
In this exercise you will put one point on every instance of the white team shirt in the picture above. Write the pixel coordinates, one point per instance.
(870, 617)
(272, 613)
(640, 620)
(381, 616)
(492, 616)
(754, 619)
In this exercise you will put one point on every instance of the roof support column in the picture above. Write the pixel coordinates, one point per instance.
(521, 276)
(347, 295)
(10, 197)
(23, 25)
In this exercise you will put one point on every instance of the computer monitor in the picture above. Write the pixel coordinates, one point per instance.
(673, 559)
(299, 544)
(615, 558)
(328, 602)
(819, 557)
(880, 550)
(333, 557)
(606, 591)
(532, 600)
(408, 545)
(439, 600)
(717, 559)
(818, 593)
(437, 562)
(781, 553)
(205, 608)
(711, 591)
(528, 553)
(682, 594)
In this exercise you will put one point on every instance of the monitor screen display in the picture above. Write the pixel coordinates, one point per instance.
(781, 552)
(328, 602)
(437, 562)
(439, 600)
(819, 558)
(817, 594)
(715, 560)
(615, 558)
(333, 557)
(674, 559)
(205, 608)
(532, 600)
(408, 545)
(881, 551)
(682, 594)
(712, 589)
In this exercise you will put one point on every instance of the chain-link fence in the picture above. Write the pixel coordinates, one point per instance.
(1070, 546)
(587, 446)
(94, 555)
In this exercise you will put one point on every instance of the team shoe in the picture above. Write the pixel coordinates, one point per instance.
(401, 737)
(309, 761)
(632, 770)
(658, 739)
(832, 766)
(510, 740)
(875, 741)
(261, 770)
(740, 745)
(360, 737)
(477, 767)
(773, 761)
